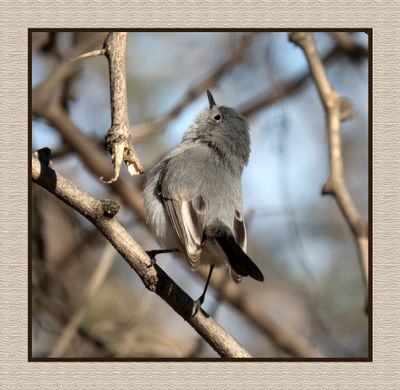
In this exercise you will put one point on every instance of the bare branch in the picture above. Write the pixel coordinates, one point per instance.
(291, 343)
(335, 185)
(154, 278)
(118, 139)
(94, 53)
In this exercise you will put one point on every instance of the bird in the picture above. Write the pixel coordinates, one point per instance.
(193, 196)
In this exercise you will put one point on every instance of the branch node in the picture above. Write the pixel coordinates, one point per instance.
(118, 144)
(328, 187)
(153, 283)
(109, 208)
(347, 111)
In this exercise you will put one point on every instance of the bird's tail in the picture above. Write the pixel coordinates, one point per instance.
(238, 260)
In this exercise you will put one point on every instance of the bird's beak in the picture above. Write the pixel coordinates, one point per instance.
(210, 99)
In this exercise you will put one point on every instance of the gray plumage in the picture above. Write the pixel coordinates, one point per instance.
(193, 197)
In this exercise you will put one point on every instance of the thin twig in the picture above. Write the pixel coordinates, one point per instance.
(335, 185)
(94, 53)
(47, 92)
(101, 213)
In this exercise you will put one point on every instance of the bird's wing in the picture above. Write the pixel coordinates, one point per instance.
(187, 217)
(239, 228)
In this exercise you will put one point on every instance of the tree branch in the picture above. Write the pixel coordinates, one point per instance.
(118, 138)
(293, 344)
(335, 185)
(101, 214)
(93, 157)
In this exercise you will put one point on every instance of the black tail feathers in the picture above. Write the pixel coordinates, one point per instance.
(238, 260)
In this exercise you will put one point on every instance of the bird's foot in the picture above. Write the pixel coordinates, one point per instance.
(197, 307)
(153, 253)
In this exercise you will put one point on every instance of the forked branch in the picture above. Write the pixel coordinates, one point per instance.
(336, 110)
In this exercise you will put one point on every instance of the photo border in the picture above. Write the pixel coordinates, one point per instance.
(382, 372)
(204, 359)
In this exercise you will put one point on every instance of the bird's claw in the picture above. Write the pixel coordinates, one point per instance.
(153, 253)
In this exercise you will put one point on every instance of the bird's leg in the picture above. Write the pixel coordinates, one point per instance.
(153, 253)
(200, 300)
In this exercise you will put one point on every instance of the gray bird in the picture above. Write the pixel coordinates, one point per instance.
(193, 197)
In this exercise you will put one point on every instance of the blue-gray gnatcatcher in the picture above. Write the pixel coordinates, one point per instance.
(193, 197)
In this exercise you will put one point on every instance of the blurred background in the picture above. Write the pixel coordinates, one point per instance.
(86, 300)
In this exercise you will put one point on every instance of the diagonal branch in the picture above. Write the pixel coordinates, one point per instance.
(335, 185)
(101, 214)
(291, 343)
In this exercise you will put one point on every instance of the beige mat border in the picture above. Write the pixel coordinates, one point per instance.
(16, 17)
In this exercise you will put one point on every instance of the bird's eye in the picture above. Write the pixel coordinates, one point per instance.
(217, 117)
